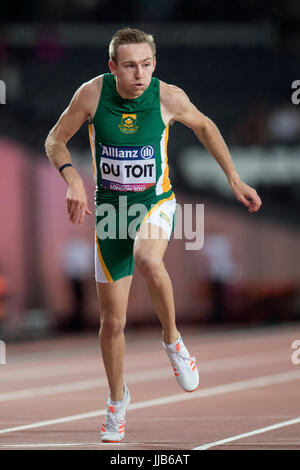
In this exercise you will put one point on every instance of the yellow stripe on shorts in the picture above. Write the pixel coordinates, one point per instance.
(104, 267)
(159, 203)
(92, 145)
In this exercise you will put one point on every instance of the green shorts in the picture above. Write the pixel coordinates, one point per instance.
(118, 218)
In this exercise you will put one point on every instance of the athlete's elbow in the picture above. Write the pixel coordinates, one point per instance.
(52, 148)
(47, 143)
(53, 139)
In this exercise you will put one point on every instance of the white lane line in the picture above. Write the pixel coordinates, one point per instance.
(77, 351)
(47, 371)
(80, 385)
(231, 336)
(208, 392)
(251, 360)
(41, 445)
(248, 434)
(94, 366)
(215, 365)
(141, 445)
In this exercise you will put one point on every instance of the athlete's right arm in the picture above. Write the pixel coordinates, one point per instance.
(79, 110)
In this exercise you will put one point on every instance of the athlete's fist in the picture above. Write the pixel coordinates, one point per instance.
(247, 196)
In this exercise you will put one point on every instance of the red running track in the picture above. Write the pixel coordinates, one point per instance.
(53, 393)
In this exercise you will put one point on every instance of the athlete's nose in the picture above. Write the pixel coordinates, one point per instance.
(138, 72)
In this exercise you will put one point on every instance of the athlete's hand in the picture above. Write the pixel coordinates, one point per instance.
(77, 202)
(247, 196)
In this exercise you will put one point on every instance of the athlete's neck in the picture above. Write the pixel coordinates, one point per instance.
(126, 95)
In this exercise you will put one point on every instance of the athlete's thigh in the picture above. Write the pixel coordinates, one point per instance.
(113, 297)
(155, 232)
(151, 241)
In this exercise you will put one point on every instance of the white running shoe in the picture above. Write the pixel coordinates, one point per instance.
(113, 427)
(184, 366)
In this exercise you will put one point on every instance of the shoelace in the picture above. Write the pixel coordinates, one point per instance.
(178, 355)
(113, 421)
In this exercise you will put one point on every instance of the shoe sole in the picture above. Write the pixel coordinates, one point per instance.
(191, 391)
(113, 441)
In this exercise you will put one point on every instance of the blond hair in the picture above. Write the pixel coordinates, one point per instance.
(129, 36)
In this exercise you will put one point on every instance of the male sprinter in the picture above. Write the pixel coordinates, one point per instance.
(129, 113)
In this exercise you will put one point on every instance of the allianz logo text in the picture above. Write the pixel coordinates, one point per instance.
(117, 152)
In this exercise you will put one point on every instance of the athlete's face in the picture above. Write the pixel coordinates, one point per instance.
(134, 69)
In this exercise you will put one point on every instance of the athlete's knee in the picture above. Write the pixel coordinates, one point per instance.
(111, 326)
(149, 265)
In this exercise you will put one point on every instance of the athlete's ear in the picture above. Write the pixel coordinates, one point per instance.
(112, 67)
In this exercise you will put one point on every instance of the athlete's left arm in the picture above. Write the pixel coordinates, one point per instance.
(209, 135)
